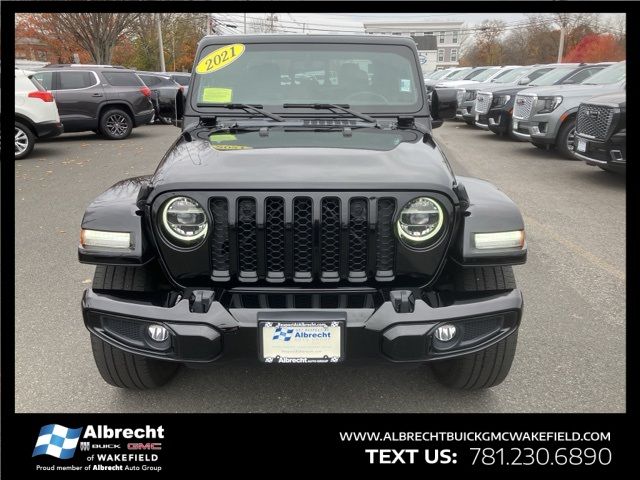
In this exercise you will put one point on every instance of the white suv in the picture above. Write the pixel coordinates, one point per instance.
(36, 113)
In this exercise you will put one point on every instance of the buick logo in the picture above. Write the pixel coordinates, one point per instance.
(481, 99)
(520, 101)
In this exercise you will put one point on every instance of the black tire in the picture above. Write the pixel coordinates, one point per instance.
(485, 279)
(126, 370)
(542, 146)
(24, 141)
(165, 120)
(115, 124)
(566, 139)
(118, 277)
(470, 122)
(484, 369)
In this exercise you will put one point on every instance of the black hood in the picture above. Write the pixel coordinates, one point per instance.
(332, 163)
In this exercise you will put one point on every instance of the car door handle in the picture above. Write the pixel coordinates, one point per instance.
(96, 95)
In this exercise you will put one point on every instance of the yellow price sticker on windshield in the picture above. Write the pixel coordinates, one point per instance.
(216, 95)
(220, 58)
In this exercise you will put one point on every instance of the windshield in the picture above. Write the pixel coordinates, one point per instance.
(512, 75)
(555, 75)
(459, 74)
(435, 75)
(474, 73)
(374, 78)
(614, 73)
(482, 76)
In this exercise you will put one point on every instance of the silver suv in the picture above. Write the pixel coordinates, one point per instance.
(546, 116)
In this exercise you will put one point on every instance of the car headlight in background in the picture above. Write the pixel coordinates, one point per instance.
(513, 239)
(470, 95)
(500, 100)
(548, 104)
(420, 220)
(460, 95)
(184, 220)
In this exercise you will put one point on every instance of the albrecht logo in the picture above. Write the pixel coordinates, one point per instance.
(57, 441)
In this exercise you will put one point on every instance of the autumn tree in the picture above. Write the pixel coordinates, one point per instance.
(61, 44)
(487, 48)
(596, 48)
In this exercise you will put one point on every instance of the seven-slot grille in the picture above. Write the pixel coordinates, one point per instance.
(483, 102)
(303, 238)
(594, 121)
(523, 106)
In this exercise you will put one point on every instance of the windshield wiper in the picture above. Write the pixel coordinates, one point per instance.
(331, 106)
(244, 106)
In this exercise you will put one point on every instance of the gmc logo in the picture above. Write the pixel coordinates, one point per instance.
(520, 101)
(591, 113)
(144, 446)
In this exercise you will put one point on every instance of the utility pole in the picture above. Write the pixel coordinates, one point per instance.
(160, 45)
(563, 27)
(245, 23)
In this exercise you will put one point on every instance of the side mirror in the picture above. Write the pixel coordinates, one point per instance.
(524, 81)
(443, 105)
(178, 111)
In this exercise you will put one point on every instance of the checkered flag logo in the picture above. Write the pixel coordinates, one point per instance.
(282, 334)
(57, 441)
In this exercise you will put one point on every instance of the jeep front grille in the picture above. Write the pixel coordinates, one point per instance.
(325, 237)
(523, 106)
(594, 121)
(483, 102)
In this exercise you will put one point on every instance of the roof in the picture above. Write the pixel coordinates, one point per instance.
(278, 38)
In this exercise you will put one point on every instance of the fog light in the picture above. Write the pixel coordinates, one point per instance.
(158, 333)
(445, 333)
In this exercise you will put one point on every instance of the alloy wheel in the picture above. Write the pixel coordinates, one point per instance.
(21, 141)
(117, 125)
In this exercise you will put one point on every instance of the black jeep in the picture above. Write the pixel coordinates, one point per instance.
(313, 220)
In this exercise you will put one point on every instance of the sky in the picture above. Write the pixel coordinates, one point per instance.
(352, 22)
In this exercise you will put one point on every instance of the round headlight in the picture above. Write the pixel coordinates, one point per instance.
(184, 220)
(420, 220)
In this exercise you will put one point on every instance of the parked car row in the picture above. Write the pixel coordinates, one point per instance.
(108, 100)
(577, 109)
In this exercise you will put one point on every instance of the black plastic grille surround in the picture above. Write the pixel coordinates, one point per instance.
(320, 237)
(220, 235)
(594, 121)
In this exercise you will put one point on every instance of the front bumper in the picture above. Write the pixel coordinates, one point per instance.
(48, 129)
(142, 118)
(465, 111)
(219, 333)
(611, 154)
(497, 120)
(539, 129)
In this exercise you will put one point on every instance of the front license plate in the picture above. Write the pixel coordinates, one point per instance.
(477, 117)
(515, 125)
(301, 342)
(582, 145)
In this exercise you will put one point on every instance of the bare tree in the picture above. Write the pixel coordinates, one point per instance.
(98, 33)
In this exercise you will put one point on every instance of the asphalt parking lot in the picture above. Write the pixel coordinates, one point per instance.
(571, 345)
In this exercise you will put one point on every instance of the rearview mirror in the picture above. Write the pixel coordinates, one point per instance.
(524, 81)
